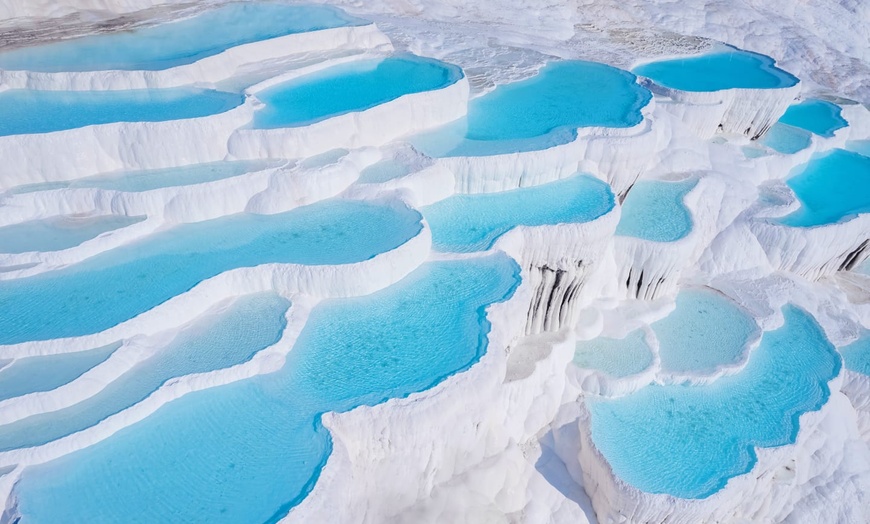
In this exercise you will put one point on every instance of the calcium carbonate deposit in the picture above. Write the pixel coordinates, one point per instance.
(434, 261)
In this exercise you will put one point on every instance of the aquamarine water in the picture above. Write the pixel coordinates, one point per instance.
(832, 187)
(688, 441)
(542, 111)
(250, 451)
(176, 43)
(350, 87)
(232, 337)
(856, 355)
(862, 147)
(615, 357)
(704, 332)
(818, 116)
(654, 210)
(117, 285)
(56, 233)
(729, 69)
(33, 374)
(786, 139)
(465, 223)
(383, 171)
(23, 111)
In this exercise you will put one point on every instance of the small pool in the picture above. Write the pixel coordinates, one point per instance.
(252, 450)
(23, 111)
(832, 187)
(176, 43)
(687, 441)
(250, 324)
(34, 374)
(119, 284)
(148, 180)
(542, 111)
(57, 233)
(614, 357)
(726, 69)
(384, 171)
(817, 116)
(465, 223)
(654, 210)
(705, 332)
(856, 355)
(350, 87)
(786, 139)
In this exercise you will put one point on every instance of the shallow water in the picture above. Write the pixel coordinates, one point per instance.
(542, 111)
(119, 284)
(57, 233)
(716, 71)
(465, 223)
(350, 87)
(654, 210)
(23, 111)
(856, 355)
(33, 374)
(383, 171)
(231, 337)
(688, 441)
(176, 43)
(617, 358)
(250, 451)
(832, 187)
(786, 139)
(817, 116)
(704, 332)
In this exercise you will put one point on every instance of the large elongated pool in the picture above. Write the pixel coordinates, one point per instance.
(350, 87)
(56, 233)
(724, 69)
(176, 43)
(542, 111)
(119, 284)
(23, 111)
(250, 451)
(687, 441)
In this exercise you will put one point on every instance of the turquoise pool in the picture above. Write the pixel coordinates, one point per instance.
(727, 69)
(24, 111)
(350, 87)
(176, 43)
(250, 451)
(542, 111)
(34, 374)
(117, 285)
(786, 139)
(464, 223)
(856, 355)
(687, 441)
(817, 116)
(832, 187)
(57, 233)
(617, 358)
(654, 210)
(704, 332)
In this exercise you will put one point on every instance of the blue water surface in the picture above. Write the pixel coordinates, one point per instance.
(687, 441)
(473, 222)
(44, 373)
(117, 285)
(728, 69)
(786, 139)
(704, 332)
(176, 43)
(817, 116)
(832, 187)
(615, 357)
(23, 111)
(350, 87)
(542, 111)
(856, 355)
(232, 337)
(654, 210)
(250, 451)
(57, 233)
